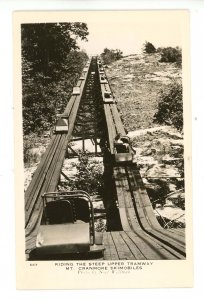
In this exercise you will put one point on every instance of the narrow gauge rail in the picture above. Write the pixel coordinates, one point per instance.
(47, 174)
(142, 236)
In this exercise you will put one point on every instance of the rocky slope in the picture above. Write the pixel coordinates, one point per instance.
(136, 82)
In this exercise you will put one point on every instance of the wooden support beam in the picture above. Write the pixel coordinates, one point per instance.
(86, 122)
(96, 146)
(64, 175)
(86, 137)
(73, 150)
(83, 143)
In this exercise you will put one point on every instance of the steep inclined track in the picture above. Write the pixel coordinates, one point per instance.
(141, 198)
(136, 218)
(114, 124)
(46, 177)
(141, 236)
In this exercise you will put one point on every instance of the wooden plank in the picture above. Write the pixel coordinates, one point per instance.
(143, 220)
(146, 214)
(34, 222)
(126, 188)
(61, 152)
(111, 122)
(40, 172)
(31, 243)
(57, 166)
(151, 215)
(34, 199)
(124, 219)
(51, 170)
(173, 252)
(133, 247)
(122, 187)
(161, 234)
(133, 219)
(37, 210)
(119, 188)
(179, 231)
(148, 220)
(69, 106)
(150, 249)
(144, 200)
(72, 117)
(117, 119)
(111, 128)
(45, 178)
(122, 248)
(110, 252)
(81, 84)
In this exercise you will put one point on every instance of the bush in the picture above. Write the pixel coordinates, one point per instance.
(26, 151)
(30, 157)
(170, 107)
(171, 55)
(110, 55)
(89, 175)
(149, 48)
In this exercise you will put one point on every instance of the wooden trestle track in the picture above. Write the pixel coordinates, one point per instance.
(141, 236)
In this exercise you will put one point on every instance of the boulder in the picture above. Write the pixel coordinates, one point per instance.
(147, 152)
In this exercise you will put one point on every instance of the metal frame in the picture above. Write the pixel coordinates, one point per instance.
(60, 131)
(74, 195)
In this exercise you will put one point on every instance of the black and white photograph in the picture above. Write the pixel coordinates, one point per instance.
(103, 111)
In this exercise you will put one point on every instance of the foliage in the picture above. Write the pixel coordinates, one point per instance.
(51, 65)
(149, 48)
(170, 107)
(29, 157)
(44, 98)
(26, 151)
(180, 201)
(110, 55)
(157, 191)
(171, 55)
(47, 44)
(33, 147)
(100, 225)
(89, 175)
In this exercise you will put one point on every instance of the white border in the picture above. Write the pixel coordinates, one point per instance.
(7, 231)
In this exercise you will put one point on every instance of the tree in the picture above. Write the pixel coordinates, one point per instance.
(171, 55)
(51, 65)
(45, 44)
(170, 108)
(43, 97)
(149, 48)
(110, 55)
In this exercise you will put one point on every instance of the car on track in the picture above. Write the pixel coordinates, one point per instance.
(67, 225)
(123, 151)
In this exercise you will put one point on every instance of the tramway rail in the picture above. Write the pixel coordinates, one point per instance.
(141, 236)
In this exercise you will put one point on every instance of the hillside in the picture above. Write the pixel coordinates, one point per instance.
(137, 81)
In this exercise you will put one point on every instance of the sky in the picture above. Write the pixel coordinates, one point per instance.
(128, 31)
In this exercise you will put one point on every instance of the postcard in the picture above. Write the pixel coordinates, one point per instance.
(102, 149)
